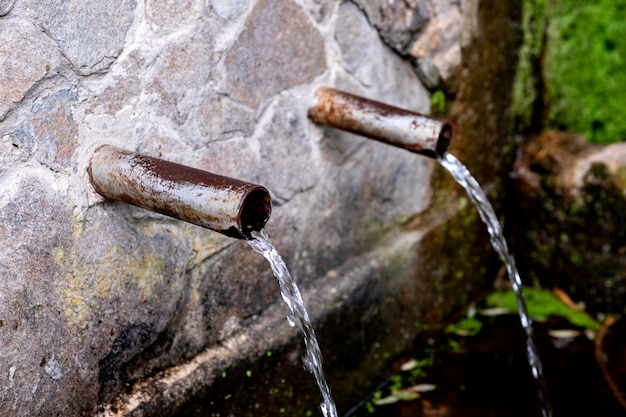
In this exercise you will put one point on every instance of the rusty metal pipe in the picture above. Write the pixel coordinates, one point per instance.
(229, 206)
(392, 125)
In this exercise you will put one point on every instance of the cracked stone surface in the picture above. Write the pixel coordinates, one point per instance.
(26, 56)
(397, 20)
(91, 34)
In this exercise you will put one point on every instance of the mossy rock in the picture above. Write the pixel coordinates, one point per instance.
(584, 65)
(566, 224)
(571, 70)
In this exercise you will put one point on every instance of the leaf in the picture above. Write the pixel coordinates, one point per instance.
(405, 395)
(541, 304)
(564, 333)
(422, 388)
(386, 400)
(495, 311)
(409, 365)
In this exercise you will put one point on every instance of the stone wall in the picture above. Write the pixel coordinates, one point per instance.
(106, 308)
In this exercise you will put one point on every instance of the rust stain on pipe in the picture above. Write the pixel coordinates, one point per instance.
(226, 205)
(392, 125)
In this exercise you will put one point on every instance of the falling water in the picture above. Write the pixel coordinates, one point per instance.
(487, 214)
(312, 358)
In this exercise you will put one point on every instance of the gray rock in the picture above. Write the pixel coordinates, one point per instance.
(90, 33)
(359, 43)
(168, 15)
(26, 56)
(182, 69)
(374, 64)
(283, 139)
(398, 21)
(220, 117)
(6, 6)
(38, 349)
(439, 45)
(278, 49)
(51, 133)
(229, 9)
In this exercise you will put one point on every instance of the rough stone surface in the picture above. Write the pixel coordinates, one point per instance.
(91, 34)
(398, 20)
(278, 49)
(51, 133)
(438, 45)
(220, 117)
(229, 9)
(26, 56)
(373, 63)
(168, 15)
(572, 187)
(108, 309)
(437, 49)
(6, 6)
(187, 64)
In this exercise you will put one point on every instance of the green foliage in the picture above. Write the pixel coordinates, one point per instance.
(585, 68)
(467, 326)
(572, 62)
(541, 304)
(438, 102)
(525, 91)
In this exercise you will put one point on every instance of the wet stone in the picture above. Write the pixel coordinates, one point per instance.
(278, 49)
(26, 56)
(90, 33)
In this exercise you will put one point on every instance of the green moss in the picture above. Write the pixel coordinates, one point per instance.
(570, 74)
(584, 68)
(467, 326)
(525, 87)
(541, 304)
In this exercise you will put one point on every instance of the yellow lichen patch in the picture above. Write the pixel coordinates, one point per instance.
(57, 254)
(89, 289)
(77, 222)
(146, 274)
(202, 250)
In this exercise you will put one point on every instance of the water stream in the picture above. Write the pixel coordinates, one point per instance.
(476, 194)
(312, 359)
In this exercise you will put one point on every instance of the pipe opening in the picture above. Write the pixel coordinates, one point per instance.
(394, 126)
(256, 209)
(444, 140)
